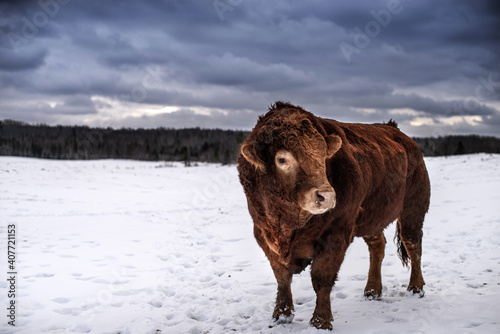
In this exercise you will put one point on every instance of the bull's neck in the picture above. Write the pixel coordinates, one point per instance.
(284, 224)
(289, 220)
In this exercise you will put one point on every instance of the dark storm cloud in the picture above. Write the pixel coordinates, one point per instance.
(76, 104)
(231, 59)
(31, 58)
(426, 105)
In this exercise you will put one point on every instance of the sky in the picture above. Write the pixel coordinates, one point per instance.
(432, 66)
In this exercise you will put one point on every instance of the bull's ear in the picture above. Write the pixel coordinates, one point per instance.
(249, 151)
(333, 143)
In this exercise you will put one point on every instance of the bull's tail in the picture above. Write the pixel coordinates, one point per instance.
(402, 253)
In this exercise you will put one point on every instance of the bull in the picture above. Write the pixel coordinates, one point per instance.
(313, 184)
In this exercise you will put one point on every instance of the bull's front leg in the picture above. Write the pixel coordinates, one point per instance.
(284, 302)
(324, 270)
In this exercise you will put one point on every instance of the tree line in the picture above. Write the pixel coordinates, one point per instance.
(455, 145)
(82, 142)
(187, 145)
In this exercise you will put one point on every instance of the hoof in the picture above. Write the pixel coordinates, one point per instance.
(283, 319)
(321, 323)
(283, 316)
(416, 291)
(373, 294)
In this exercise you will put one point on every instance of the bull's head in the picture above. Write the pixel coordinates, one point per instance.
(289, 149)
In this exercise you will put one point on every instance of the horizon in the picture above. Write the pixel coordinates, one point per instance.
(432, 67)
(206, 129)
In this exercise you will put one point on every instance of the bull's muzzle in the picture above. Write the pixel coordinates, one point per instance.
(319, 201)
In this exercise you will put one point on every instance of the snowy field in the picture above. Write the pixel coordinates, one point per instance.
(146, 247)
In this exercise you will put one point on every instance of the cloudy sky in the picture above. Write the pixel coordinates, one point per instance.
(433, 66)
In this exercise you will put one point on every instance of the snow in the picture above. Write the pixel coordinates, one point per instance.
(145, 247)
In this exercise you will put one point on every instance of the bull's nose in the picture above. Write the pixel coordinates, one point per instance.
(325, 199)
(318, 200)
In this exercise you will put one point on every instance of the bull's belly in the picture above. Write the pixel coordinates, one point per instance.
(379, 210)
(372, 228)
(371, 222)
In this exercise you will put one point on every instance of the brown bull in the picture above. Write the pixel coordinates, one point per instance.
(313, 184)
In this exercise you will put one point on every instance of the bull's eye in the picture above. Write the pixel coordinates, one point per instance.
(285, 160)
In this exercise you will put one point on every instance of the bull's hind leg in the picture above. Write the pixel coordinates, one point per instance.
(416, 285)
(409, 233)
(376, 246)
(411, 221)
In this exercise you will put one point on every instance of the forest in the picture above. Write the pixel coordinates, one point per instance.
(82, 142)
(187, 145)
